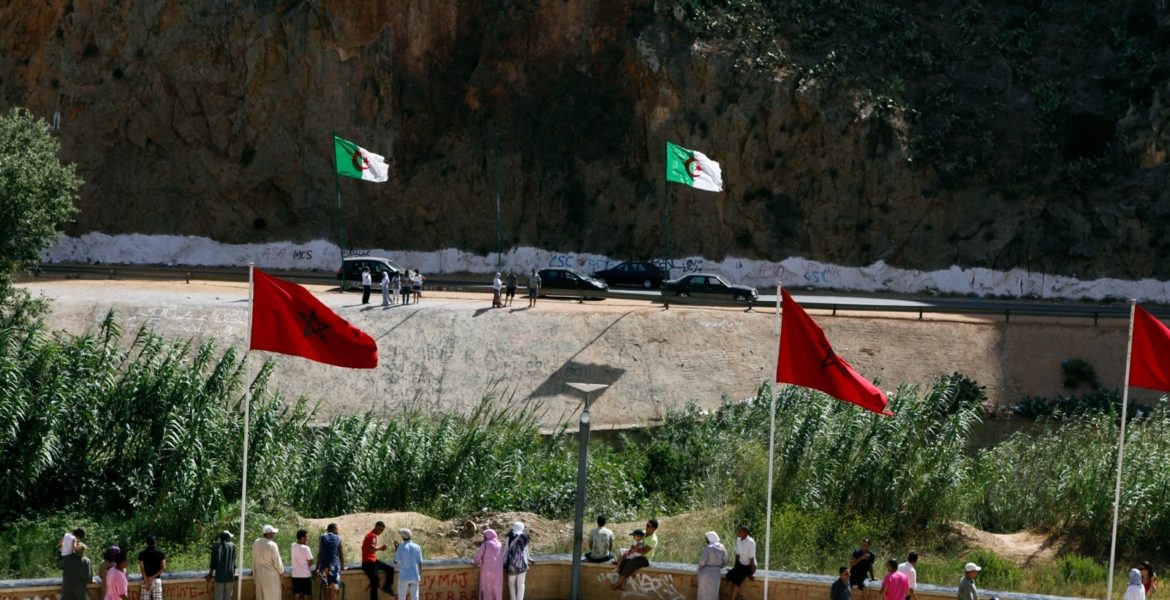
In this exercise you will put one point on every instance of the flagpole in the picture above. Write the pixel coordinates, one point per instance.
(1120, 451)
(340, 214)
(666, 215)
(244, 450)
(771, 450)
(499, 227)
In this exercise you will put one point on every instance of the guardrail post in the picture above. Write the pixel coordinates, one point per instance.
(111, 273)
(1007, 313)
(834, 310)
(1095, 315)
(188, 277)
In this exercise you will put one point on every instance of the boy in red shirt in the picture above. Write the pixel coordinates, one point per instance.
(371, 565)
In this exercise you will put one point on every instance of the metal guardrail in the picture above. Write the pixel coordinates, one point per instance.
(833, 302)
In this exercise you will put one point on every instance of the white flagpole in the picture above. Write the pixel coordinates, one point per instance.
(1120, 452)
(771, 450)
(244, 480)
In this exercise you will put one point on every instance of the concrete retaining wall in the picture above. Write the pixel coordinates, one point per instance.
(548, 580)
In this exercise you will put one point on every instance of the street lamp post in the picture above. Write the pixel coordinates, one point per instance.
(582, 469)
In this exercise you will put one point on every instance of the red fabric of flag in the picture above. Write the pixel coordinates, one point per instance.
(807, 359)
(288, 319)
(1149, 362)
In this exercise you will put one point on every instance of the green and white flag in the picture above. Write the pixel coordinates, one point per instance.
(357, 162)
(692, 168)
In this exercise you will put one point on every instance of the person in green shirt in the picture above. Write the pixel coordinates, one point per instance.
(638, 556)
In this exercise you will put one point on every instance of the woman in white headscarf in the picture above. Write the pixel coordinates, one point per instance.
(711, 563)
(516, 560)
(1135, 590)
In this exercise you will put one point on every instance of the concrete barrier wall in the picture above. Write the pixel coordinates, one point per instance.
(549, 579)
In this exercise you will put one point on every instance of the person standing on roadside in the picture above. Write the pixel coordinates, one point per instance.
(1134, 591)
(909, 569)
(301, 557)
(152, 562)
(223, 566)
(745, 560)
(117, 586)
(967, 589)
(711, 562)
(367, 283)
(895, 585)
(267, 567)
(395, 287)
(408, 556)
(533, 288)
(416, 284)
(511, 288)
(371, 565)
(861, 565)
(490, 560)
(496, 285)
(385, 288)
(841, 589)
(109, 561)
(329, 561)
(76, 574)
(517, 561)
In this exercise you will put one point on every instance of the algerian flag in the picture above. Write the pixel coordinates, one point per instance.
(359, 163)
(692, 168)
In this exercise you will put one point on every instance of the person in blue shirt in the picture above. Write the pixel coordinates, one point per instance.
(408, 559)
(329, 561)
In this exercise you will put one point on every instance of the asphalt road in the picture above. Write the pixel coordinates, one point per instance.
(809, 299)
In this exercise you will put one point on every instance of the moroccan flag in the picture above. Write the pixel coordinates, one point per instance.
(359, 163)
(807, 359)
(1149, 362)
(692, 168)
(286, 318)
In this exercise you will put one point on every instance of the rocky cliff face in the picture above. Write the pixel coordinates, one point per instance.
(215, 119)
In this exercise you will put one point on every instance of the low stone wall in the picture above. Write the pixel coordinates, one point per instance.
(548, 580)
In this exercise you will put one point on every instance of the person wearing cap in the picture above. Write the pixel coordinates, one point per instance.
(911, 572)
(638, 555)
(76, 573)
(371, 565)
(267, 567)
(408, 557)
(895, 584)
(301, 557)
(222, 568)
(329, 560)
(517, 561)
(496, 285)
(745, 560)
(152, 563)
(967, 589)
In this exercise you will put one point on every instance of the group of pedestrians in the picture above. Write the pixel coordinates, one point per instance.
(499, 561)
(77, 569)
(401, 287)
(504, 290)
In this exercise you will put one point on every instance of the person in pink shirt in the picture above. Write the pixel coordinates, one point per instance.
(895, 584)
(117, 588)
(490, 560)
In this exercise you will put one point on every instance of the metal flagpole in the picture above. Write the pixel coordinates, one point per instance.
(340, 214)
(499, 234)
(666, 215)
(244, 480)
(1120, 452)
(771, 450)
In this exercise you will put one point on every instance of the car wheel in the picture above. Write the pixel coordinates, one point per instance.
(647, 284)
(683, 295)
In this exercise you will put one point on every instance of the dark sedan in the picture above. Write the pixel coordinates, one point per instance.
(708, 287)
(633, 273)
(567, 282)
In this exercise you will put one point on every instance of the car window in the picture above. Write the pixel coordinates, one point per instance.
(718, 279)
(550, 275)
(622, 267)
(637, 268)
(716, 282)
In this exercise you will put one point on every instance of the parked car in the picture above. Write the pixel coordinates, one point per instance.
(708, 287)
(350, 272)
(567, 282)
(636, 273)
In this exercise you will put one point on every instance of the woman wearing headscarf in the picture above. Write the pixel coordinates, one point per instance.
(1135, 590)
(490, 560)
(711, 563)
(517, 560)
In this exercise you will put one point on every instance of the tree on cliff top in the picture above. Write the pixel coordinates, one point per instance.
(36, 192)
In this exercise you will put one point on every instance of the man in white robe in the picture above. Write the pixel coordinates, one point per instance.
(267, 568)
